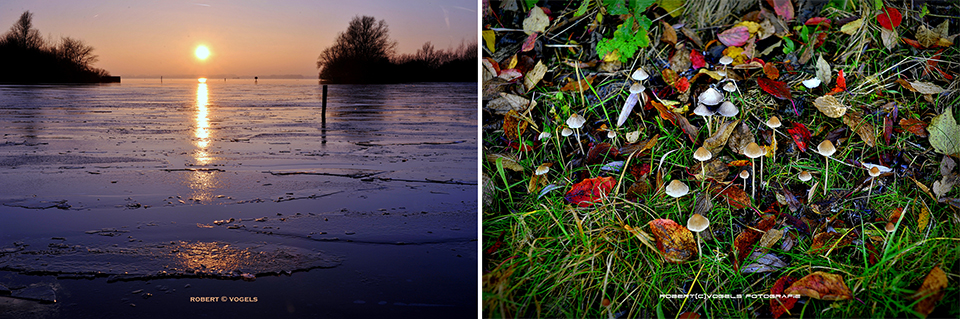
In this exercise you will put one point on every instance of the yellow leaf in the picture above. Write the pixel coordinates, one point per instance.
(537, 22)
(612, 56)
(490, 37)
(712, 74)
(674, 7)
(852, 26)
(923, 219)
(753, 27)
(512, 63)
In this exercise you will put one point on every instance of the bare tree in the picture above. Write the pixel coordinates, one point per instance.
(75, 51)
(366, 42)
(23, 35)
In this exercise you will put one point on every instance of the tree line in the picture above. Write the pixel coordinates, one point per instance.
(364, 53)
(27, 58)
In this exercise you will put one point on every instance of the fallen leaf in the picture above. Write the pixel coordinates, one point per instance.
(673, 7)
(669, 34)
(771, 71)
(680, 61)
(579, 86)
(715, 143)
(776, 88)
(841, 84)
(489, 38)
(852, 27)
(513, 126)
(641, 235)
(534, 75)
(779, 306)
(682, 85)
(887, 129)
(763, 263)
(943, 186)
(827, 241)
(743, 244)
(914, 126)
(530, 42)
(926, 87)
(931, 291)
(537, 182)
(929, 38)
(692, 35)
(863, 128)
(601, 153)
(783, 8)
(507, 102)
(830, 106)
(923, 219)
(889, 38)
(714, 169)
(821, 285)
(740, 138)
(696, 59)
(675, 242)
(943, 131)
(633, 136)
(678, 120)
(824, 73)
(819, 22)
(508, 162)
(734, 37)
(769, 238)
(536, 22)
(510, 74)
(589, 191)
(801, 135)
(890, 18)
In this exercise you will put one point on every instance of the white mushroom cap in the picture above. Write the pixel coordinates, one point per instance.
(640, 75)
(702, 110)
(811, 83)
(636, 87)
(753, 150)
(730, 87)
(611, 134)
(773, 122)
(677, 188)
(697, 223)
(576, 121)
(566, 132)
(711, 97)
(702, 154)
(727, 109)
(726, 60)
(544, 135)
(805, 176)
(542, 169)
(744, 174)
(883, 169)
(874, 171)
(826, 148)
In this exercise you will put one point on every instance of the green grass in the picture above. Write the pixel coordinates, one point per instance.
(559, 260)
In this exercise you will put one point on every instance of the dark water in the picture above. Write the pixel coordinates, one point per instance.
(147, 187)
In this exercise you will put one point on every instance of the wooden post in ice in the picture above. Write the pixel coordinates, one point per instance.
(323, 115)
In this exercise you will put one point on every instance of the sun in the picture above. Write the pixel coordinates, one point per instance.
(202, 52)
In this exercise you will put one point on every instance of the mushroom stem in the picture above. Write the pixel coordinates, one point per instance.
(579, 143)
(826, 175)
(753, 182)
(699, 251)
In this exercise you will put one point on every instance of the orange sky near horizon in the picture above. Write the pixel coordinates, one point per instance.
(245, 38)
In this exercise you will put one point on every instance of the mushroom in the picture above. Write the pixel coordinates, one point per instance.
(636, 87)
(542, 169)
(640, 75)
(575, 122)
(891, 227)
(710, 97)
(697, 223)
(727, 109)
(811, 83)
(744, 174)
(753, 151)
(703, 111)
(826, 149)
(726, 60)
(544, 135)
(611, 134)
(805, 176)
(773, 123)
(677, 189)
(566, 132)
(702, 154)
(730, 87)
(873, 172)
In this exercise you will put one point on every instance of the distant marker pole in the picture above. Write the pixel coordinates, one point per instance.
(323, 115)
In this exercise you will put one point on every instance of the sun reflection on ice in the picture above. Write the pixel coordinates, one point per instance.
(201, 182)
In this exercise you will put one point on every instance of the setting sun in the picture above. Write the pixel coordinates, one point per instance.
(202, 52)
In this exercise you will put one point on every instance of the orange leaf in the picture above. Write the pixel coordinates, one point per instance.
(677, 119)
(744, 242)
(579, 86)
(590, 191)
(669, 34)
(931, 291)
(735, 196)
(825, 241)
(821, 285)
(513, 126)
(675, 242)
(771, 71)
(781, 305)
(914, 126)
(841, 85)
(682, 85)
(739, 163)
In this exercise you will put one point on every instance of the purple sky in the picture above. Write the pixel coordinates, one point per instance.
(244, 37)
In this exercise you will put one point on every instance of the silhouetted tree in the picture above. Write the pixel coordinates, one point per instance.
(26, 58)
(75, 51)
(357, 52)
(22, 34)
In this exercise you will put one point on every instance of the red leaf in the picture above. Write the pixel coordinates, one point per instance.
(821, 285)
(779, 306)
(735, 196)
(890, 18)
(529, 42)
(912, 43)
(697, 59)
(601, 153)
(887, 129)
(801, 135)
(744, 242)
(776, 88)
(682, 85)
(784, 9)
(914, 126)
(734, 37)
(675, 242)
(818, 21)
(841, 85)
(590, 191)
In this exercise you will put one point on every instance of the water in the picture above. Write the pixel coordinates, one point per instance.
(112, 185)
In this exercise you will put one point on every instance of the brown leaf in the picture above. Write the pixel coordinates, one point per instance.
(735, 196)
(823, 71)
(740, 138)
(744, 242)
(927, 37)
(639, 147)
(579, 86)
(931, 291)
(678, 120)
(826, 241)
(513, 126)
(889, 38)
(692, 35)
(601, 153)
(534, 76)
(830, 106)
(863, 128)
(926, 87)
(675, 242)
(769, 238)
(536, 183)
(506, 102)
(680, 62)
(715, 143)
(714, 169)
(771, 71)
(669, 34)
(821, 285)
(508, 161)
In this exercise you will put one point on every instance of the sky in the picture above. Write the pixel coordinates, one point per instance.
(245, 38)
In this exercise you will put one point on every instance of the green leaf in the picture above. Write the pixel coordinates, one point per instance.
(944, 131)
(530, 3)
(625, 40)
(877, 4)
(582, 9)
(616, 7)
(674, 7)
(639, 6)
(788, 46)
(924, 11)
